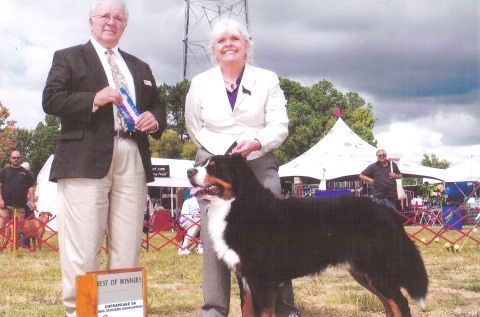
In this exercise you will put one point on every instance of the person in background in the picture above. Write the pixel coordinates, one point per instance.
(190, 221)
(17, 185)
(383, 180)
(29, 211)
(147, 214)
(102, 169)
(236, 107)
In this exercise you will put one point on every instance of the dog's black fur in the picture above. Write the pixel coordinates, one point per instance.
(281, 239)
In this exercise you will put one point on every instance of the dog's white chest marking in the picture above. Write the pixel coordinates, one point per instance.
(216, 229)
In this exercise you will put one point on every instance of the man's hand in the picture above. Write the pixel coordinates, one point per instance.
(394, 175)
(146, 122)
(107, 95)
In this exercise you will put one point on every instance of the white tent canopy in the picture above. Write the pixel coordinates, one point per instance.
(178, 172)
(466, 171)
(343, 154)
(47, 191)
(340, 153)
(415, 170)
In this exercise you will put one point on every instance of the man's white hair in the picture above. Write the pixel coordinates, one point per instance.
(121, 2)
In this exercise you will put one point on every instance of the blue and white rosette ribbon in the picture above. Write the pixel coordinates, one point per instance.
(128, 110)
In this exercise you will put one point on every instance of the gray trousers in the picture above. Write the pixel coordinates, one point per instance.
(216, 276)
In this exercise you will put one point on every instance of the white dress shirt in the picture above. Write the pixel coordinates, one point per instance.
(123, 68)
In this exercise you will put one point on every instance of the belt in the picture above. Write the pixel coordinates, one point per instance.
(123, 134)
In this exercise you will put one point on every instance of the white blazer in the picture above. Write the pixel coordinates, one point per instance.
(260, 111)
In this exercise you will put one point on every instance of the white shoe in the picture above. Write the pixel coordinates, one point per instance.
(200, 249)
(183, 252)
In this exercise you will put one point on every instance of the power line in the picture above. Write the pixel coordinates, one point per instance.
(200, 16)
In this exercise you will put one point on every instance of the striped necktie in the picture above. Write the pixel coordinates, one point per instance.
(119, 81)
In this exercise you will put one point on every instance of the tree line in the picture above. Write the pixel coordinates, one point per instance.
(310, 109)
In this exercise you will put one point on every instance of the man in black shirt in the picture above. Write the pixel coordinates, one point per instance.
(382, 176)
(16, 183)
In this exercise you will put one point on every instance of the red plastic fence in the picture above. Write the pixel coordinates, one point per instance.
(33, 233)
(424, 225)
(164, 229)
(449, 225)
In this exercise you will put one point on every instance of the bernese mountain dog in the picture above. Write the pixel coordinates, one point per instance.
(267, 241)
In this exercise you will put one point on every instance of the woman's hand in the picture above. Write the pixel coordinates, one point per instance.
(246, 147)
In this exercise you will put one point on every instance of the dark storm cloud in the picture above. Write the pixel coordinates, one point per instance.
(416, 62)
(414, 59)
(394, 50)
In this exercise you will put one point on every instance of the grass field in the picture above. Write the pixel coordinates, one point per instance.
(30, 285)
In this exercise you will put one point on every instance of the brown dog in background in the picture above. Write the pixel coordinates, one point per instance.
(35, 228)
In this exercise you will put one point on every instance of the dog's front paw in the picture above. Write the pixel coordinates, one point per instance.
(232, 259)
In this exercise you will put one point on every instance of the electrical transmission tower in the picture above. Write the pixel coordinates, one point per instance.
(200, 16)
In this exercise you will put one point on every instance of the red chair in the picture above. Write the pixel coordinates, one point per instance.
(159, 224)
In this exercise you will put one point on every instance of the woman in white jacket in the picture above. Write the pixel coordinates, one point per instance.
(236, 107)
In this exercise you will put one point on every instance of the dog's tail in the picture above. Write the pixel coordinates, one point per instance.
(414, 275)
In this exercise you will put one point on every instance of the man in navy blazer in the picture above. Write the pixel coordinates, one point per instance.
(71, 98)
(101, 170)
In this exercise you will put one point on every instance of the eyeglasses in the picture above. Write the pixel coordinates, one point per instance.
(105, 18)
(15, 157)
(382, 155)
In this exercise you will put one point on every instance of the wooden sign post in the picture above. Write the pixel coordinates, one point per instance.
(112, 293)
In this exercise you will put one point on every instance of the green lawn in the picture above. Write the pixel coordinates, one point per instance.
(31, 284)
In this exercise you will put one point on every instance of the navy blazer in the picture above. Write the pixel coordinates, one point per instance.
(85, 147)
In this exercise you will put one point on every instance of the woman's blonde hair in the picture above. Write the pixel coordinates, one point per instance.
(231, 26)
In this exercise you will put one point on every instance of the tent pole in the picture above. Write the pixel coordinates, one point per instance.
(171, 201)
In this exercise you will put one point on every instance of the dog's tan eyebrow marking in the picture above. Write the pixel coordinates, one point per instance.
(213, 180)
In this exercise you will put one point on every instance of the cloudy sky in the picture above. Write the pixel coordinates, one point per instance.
(417, 62)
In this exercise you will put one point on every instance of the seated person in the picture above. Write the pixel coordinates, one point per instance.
(190, 221)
